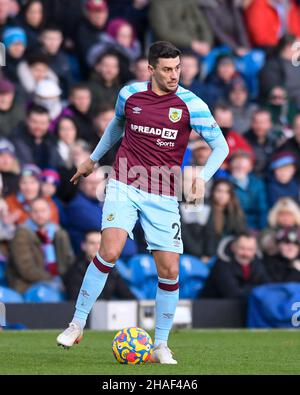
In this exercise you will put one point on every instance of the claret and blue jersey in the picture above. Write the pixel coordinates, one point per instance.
(157, 128)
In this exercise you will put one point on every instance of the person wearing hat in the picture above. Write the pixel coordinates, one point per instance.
(283, 181)
(285, 265)
(48, 95)
(11, 110)
(15, 41)
(93, 23)
(29, 190)
(250, 190)
(9, 167)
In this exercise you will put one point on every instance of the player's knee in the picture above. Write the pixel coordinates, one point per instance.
(171, 273)
(110, 255)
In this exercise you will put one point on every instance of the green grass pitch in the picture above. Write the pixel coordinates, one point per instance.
(197, 352)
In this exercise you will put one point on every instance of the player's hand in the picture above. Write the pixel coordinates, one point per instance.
(197, 191)
(85, 169)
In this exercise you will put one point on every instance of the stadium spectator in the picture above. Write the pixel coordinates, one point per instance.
(9, 168)
(33, 70)
(284, 214)
(119, 36)
(222, 76)
(5, 19)
(283, 181)
(47, 94)
(242, 109)
(32, 18)
(115, 288)
(268, 20)
(237, 270)
(192, 31)
(224, 118)
(7, 226)
(93, 23)
(29, 190)
(280, 69)
(66, 133)
(51, 39)
(84, 211)
(282, 110)
(140, 70)
(250, 190)
(79, 153)
(284, 266)
(79, 108)
(104, 82)
(15, 41)
(293, 144)
(11, 110)
(190, 79)
(40, 251)
(202, 231)
(225, 18)
(32, 141)
(101, 121)
(262, 140)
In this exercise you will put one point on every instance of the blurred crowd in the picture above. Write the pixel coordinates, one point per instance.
(66, 61)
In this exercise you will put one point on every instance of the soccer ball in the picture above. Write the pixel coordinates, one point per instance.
(132, 346)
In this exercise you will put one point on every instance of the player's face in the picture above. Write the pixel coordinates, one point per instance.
(166, 74)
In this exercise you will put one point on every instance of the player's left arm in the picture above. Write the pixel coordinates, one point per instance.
(205, 125)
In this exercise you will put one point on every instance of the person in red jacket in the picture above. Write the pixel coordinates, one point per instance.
(268, 20)
(224, 118)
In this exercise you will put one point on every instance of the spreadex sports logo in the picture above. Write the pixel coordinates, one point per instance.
(164, 133)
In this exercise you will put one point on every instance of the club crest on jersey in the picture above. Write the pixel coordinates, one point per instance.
(110, 217)
(175, 114)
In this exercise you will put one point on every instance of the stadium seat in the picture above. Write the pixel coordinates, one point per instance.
(8, 295)
(124, 270)
(143, 280)
(192, 274)
(43, 293)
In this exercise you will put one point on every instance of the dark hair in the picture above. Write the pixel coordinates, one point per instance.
(29, 3)
(51, 27)
(62, 118)
(261, 110)
(248, 234)
(37, 57)
(79, 86)
(107, 54)
(221, 106)
(37, 109)
(88, 232)
(162, 49)
(233, 208)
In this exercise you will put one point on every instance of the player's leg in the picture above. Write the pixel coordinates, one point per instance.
(118, 219)
(160, 219)
(167, 296)
(112, 244)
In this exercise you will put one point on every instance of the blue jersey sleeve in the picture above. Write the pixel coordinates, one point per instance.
(202, 122)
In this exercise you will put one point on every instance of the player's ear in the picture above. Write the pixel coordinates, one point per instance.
(150, 69)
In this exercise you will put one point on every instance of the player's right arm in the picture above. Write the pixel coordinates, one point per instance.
(111, 135)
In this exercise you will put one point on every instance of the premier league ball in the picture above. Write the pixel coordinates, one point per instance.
(132, 346)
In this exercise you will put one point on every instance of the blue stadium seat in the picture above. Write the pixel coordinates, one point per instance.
(192, 274)
(143, 280)
(8, 295)
(124, 270)
(43, 293)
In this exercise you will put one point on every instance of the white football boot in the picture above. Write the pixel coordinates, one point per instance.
(162, 354)
(72, 335)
